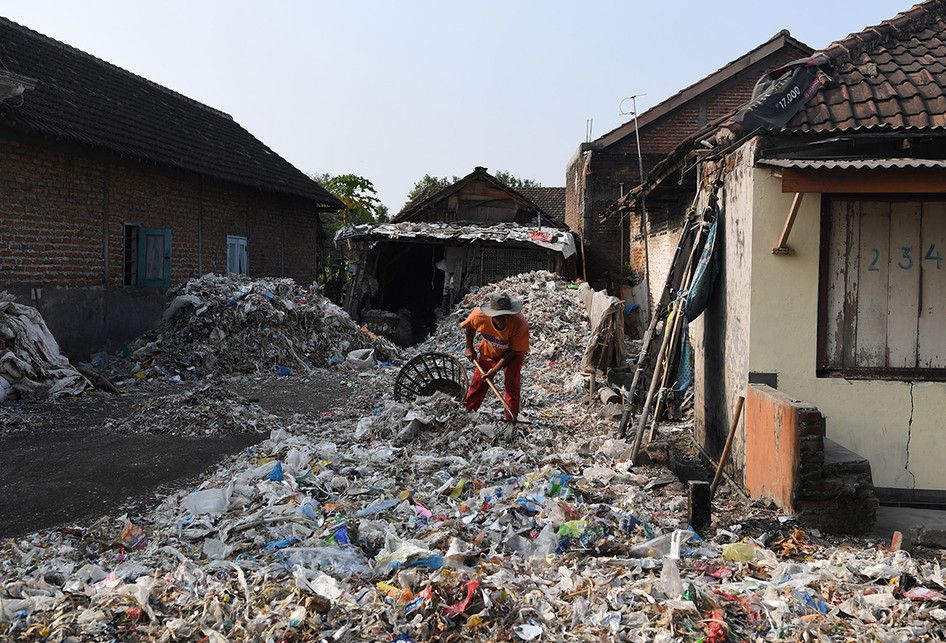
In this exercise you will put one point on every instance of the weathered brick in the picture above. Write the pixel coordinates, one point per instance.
(56, 200)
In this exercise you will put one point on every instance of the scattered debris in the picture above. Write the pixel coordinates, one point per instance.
(235, 324)
(207, 409)
(345, 527)
(31, 366)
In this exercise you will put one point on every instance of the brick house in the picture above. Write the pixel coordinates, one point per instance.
(602, 171)
(113, 189)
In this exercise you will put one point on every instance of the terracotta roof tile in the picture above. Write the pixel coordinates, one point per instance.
(81, 98)
(889, 75)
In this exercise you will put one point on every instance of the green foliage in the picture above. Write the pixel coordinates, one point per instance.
(362, 204)
(430, 184)
(511, 180)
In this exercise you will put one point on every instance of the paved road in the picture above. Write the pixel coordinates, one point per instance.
(53, 478)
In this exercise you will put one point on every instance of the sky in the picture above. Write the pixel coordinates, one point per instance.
(395, 90)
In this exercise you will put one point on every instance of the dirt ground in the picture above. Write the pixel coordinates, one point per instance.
(67, 465)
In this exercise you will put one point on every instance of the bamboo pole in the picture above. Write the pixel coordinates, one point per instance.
(675, 338)
(651, 327)
(661, 366)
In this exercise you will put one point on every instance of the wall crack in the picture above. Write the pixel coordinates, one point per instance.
(906, 465)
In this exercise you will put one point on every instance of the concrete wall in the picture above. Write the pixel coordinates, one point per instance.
(897, 426)
(62, 210)
(721, 334)
(776, 426)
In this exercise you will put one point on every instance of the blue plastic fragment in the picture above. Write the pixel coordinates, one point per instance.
(283, 371)
(276, 473)
(341, 535)
(630, 522)
(378, 507)
(432, 562)
(280, 544)
(563, 545)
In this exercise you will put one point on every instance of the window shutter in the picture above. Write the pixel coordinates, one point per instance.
(154, 257)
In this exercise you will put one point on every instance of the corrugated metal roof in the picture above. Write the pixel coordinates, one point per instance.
(842, 164)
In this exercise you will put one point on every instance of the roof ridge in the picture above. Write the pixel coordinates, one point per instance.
(906, 22)
(63, 45)
(782, 33)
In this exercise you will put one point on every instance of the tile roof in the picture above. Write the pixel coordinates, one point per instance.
(81, 98)
(550, 200)
(892, 75)
(856, 164)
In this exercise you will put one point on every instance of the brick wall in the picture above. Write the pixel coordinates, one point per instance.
(789, 461)
(618, 163)
(59, 203)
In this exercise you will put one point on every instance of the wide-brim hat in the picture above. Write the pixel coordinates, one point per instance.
(500, 303)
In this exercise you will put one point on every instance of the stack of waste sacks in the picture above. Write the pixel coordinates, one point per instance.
(31, 366)
(392, 521)
(236, 324)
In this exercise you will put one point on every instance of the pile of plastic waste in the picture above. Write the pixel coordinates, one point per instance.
(204, 410)
(410, 522)
(31, 366)
(236, 324)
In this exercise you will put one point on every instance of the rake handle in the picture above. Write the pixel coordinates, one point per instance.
(494, 389)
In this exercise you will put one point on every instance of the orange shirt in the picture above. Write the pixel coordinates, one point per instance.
(496, 342)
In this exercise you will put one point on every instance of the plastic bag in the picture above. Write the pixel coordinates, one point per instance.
(360, 359)
(660, 546)
(740, 552)
(214, 502)
(337, 561)
(670, 581)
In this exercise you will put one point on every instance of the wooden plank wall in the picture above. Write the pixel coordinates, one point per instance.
(885, 285)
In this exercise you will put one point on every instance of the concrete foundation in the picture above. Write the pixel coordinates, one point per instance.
(87, 320)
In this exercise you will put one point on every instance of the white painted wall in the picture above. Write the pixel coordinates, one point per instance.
(721, 335)
(898, 426)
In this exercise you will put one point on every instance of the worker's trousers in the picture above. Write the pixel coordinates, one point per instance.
(512, 382)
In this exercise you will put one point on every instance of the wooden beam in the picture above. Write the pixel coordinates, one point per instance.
(781, 248)
(865, 181)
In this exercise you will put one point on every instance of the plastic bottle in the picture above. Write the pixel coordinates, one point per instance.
(670, 581)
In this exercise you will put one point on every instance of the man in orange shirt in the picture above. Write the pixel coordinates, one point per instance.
(505, 343)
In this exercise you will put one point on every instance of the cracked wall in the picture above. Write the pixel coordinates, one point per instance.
(896, 425)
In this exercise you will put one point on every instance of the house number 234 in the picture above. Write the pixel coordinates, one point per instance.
(906, 258)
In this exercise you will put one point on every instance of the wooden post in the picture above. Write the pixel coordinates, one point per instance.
(724, 458)
(661, 365)
(781, 248)
(700, 509)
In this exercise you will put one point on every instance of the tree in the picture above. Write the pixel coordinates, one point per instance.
(511, 180)
(430, 184)
(434, 183)
(362, 204)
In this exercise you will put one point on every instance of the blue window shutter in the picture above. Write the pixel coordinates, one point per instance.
(154, 257)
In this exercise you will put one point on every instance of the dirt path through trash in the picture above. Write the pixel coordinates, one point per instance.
(67, 466)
